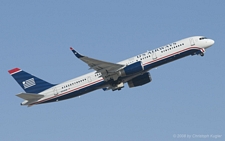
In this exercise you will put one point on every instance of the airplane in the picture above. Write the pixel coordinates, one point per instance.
(106, 75)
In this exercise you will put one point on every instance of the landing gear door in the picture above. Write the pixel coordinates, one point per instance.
(192, 42)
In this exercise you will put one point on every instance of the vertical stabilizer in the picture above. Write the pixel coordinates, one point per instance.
(29, 83)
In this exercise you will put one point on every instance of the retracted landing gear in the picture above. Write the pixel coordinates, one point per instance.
(199, 53)
(118, 86)
(113, 87)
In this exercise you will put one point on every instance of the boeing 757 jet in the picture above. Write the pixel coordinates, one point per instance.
(106, 75)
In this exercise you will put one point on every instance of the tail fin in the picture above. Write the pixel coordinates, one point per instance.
(28, 82)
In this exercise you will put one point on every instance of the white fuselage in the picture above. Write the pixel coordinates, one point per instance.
(150, 59)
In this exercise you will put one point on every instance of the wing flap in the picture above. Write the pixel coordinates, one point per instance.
(99, 65)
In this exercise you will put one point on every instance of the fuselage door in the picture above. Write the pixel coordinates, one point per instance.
(89, 79)
(154, 56)
(55, 91)
(192, 42)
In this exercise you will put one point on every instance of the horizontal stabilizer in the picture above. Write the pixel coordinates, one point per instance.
(30, 96)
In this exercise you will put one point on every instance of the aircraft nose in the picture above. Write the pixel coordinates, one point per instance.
(211, 42)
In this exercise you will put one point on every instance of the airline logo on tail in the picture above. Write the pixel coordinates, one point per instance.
(28, 83)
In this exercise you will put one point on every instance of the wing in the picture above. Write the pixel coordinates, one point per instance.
(107, 69)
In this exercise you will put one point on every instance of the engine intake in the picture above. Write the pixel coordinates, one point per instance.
(140, 80)
(132, 69)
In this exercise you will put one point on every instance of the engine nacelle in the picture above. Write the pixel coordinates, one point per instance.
(140, 80)
(132, 69)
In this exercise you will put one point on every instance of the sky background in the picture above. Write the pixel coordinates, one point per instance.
(185, 97)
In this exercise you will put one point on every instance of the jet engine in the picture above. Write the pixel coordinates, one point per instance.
(140, 80)
(131, 69)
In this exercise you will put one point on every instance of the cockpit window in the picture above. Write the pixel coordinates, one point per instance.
(202, 38)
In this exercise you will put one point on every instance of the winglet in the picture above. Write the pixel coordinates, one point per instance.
(76, 53)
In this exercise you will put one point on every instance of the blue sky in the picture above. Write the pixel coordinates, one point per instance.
(185, 96)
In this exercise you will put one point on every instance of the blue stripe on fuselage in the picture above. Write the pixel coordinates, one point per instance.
(77, 93)
(169, 59)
